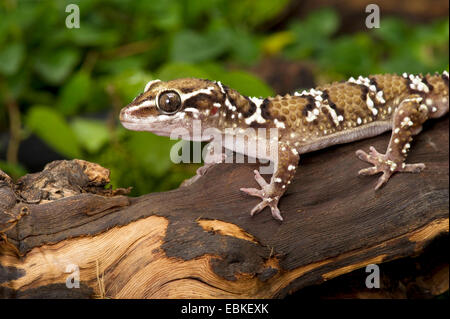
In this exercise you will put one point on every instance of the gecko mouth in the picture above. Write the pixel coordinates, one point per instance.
(146, 127)
(133, 125)
(161, 129)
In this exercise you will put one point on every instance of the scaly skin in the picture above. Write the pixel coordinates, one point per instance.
(327, 115)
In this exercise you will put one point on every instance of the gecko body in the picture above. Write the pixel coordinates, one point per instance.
(314, 119)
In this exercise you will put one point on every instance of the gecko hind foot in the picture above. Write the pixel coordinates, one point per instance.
(264, 194)
(386, 164)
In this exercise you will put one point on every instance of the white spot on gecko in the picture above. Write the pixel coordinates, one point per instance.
(279, 124)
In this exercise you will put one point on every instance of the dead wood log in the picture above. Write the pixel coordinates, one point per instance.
(199, 241)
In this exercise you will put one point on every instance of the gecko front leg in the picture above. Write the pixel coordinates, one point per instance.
(270, 193)
(215, 154)
(407, 121)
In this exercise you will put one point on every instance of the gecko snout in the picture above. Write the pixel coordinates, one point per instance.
(122, 115)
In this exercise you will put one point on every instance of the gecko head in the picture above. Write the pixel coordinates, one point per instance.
(165, 106)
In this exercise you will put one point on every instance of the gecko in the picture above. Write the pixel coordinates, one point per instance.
(330, 114)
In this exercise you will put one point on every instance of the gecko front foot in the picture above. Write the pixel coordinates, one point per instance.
(210, 162)
(267, 196)
(201, 171)
(386, 164)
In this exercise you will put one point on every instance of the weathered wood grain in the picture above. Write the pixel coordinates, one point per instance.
(199, 241)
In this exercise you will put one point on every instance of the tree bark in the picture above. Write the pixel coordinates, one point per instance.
(199, 241)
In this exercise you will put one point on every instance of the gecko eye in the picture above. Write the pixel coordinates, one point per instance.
(169, 102)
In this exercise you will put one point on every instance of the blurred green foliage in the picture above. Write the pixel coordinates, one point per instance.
(64, 80)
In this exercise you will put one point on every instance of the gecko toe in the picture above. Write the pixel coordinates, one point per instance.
(413, 168)
(276, 212)
(273, 207)
(373, 157)
(259, 179)
(373, 152)
(363, 156)
(253, 192)
(368, 171)
(383, 179)
(258, 207)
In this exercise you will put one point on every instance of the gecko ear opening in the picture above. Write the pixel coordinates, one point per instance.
(168, 102)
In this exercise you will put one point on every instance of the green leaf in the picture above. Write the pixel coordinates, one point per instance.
(13, 170)
(245, 48)
(52, 128)
(90, 36)
(173, 71)
(275, 42)
(190, 46)
(54, 67)
(246, 83)
(195, 10)
(253, 13)
(323, 22)
(350, 55)
(393, 31)
(91, 134)
(75, 93)
(11, 57)
(165, 15)
(151, 150)
(122, 64)
(128, 84)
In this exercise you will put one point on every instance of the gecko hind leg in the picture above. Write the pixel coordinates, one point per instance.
(407, 121)
(383, 164)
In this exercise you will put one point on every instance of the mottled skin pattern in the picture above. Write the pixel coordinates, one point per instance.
(310, 120)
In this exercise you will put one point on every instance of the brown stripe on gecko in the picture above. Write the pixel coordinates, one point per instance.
(191, 85)
(373, 82)
(326, 97)
(265, 112)
(199, 101)
(154, 85)
(375, 101)
(425, 81)
(247, 109)
(186, 90)
(239, 103)
(364, 95)
(445, 78)
(328, 115)
(145, 111)
(331, 104)
(309, 106)
(364, 92)
(408, 85)
(229, 97)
